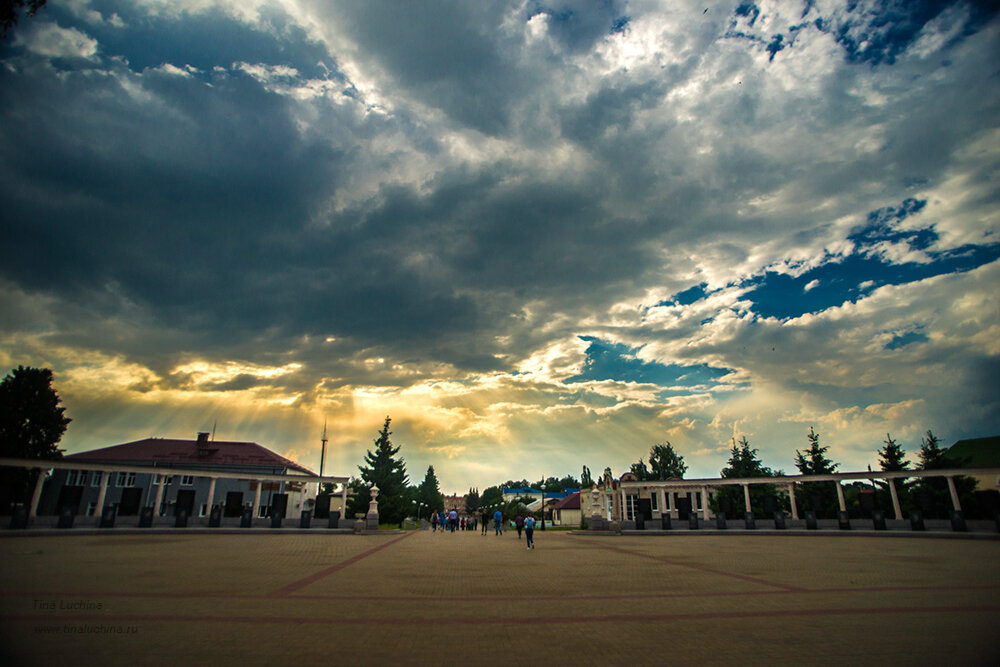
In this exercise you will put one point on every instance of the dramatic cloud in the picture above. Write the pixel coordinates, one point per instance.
(537, 235)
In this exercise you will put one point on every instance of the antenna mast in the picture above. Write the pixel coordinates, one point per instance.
(322, 452)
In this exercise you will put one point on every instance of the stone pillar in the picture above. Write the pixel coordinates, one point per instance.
(595, 506)
(211, 494)
(371, 519)
(664, 508)
(624, 503)
(954, 494)
(704, 504)
(895, 499)
(102, 493)
(256, 499)
(670, 500)
(840, 497)
(159, 496)
(37, 495)
(791, 497)
(746, 497)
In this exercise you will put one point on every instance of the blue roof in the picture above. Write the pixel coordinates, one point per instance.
(522, 491)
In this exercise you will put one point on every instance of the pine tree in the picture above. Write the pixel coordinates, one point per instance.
(388, 473)
(821, 496)
(892, 457)
(429, 493)
(743, 462)
(586, 481)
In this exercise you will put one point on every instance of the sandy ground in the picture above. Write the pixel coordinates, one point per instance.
(464, 598)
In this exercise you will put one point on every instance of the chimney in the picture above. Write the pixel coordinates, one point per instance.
(203, 439)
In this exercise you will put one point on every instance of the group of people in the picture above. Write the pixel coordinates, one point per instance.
(451, 521)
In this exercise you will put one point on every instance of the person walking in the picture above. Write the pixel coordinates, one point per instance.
(519, 524)
(453, 520)
(498, 522)
(486, 520)
(434, 522)
(529, 531)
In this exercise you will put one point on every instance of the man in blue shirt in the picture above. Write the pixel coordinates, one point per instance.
(498, 522)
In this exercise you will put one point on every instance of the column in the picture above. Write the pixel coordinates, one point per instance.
(840, 497)
(895, 498)
(746, 497)
(704, 503)
(791, 497)
(343, 501)
(37, 495)
(211, 494)
(670, 500)
(664, 508)
(624, 505)
(256, 499)
(102, 492)
(159, 496)
(954, 494)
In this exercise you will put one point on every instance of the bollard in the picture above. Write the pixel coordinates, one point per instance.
(958, 521)
(181, 519)
(844, 520)
(779, 520)
(215, 517)
(665, 522)
(334, 520)
(720, 521)
(108, 517)
(878, 519)
(305, 521)
(749, 522)
(811, 523)
(146, 517)
(916, 520)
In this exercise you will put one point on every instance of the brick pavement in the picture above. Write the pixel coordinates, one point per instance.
(464, 598)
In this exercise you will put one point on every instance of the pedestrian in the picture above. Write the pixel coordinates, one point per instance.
(463, 523)
(443, 520)
(486, 520)
(519, 524)
(529, 531)
(498, 522)
(453, 519)
(434, 522)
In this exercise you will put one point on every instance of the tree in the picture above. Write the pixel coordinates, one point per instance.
(472, 502)
(10, 12)
(665, 463)
(31, 424)
(819, 496)
(640, 470)
(743, 463)
(493, 495)
(388, 473)
(892, 457)
(429, 493)
(932, 494)
(586, 481)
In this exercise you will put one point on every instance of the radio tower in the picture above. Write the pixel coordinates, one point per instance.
(322, 451)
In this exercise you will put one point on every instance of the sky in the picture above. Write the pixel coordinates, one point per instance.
(538, 236)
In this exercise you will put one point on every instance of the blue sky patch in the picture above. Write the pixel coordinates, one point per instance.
(615, 361)
(902, 340)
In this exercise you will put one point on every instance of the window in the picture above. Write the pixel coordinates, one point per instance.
(630, 506)
(166, 479)
(263, 511)
(187, 480)
(91, 508)
(76, 478)
(95, 479)
(126, 479)
(203, 511)
(654, 501)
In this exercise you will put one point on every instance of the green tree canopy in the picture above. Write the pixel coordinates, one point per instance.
(586, 481)
(388, 473)
(892, 457)
(814, 461)
(32, 422)
(743, 462)
(429, 493)
(665, 463)
(472, 502)
(493, 495)
(932, 457)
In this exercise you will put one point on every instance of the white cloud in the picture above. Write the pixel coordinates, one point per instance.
(49, 39)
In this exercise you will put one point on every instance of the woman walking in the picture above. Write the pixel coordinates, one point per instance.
(529, 530)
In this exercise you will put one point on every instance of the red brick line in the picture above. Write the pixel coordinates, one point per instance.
(437, 621)
(313, 578)
(486, 598)
(702, 568)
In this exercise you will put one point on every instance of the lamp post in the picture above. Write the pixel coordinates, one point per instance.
(543, 503)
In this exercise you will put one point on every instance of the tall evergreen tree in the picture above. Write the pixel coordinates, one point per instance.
(586, 481)
(743, 462)
(821, 496)
(932, 494)
(429, 493)
(640, 470)
(892, 457)
(472, 502)
(388, 473)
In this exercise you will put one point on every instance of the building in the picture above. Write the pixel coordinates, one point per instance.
(133, 488)
(566, 512)
(977, 453)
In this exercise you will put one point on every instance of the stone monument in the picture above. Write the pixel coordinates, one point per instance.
(371, 519)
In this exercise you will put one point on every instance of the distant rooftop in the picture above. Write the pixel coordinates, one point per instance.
(975, 452)
(190, 452)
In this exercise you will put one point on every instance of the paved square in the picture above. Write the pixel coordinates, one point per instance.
(465, 598)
